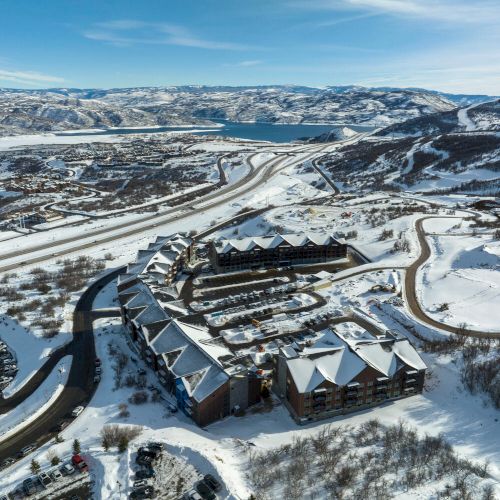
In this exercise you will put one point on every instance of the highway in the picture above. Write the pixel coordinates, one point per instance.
(252, 181)
(80, 387)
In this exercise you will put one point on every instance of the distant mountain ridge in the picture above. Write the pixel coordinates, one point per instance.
(29, 111)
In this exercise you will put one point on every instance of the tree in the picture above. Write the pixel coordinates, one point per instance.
(123, 444)
(105, 443)
(76, 447)
(35, 467)
(53, 458)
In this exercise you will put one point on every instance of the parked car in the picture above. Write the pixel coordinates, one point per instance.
(98, 370)
(77, 411)
(212, 482)
(205, 491)
(29, 486)
(7, 462)
(45, 479)
(56, 475)
(79, 463)
(67, 469)
(97, 379)
(146, 473)
(62, 425)
(26, 450)
(97, 362)
(143, 460)
(147, 451)
(140, 483)
(144, 492)
(154, 445)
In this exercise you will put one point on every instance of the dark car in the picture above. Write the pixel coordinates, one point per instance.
(144, 492)
(156, 446)
(212, 482)
(145, 473)
(62, 425)
(143, 460)
(205, 491)
(148, 451)
(29, 486)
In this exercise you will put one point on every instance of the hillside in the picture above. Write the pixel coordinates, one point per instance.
(477, 117)
(23, 111)
(447, 163)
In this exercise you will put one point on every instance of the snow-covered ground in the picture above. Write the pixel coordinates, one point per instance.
(463, 279)
(31, 351)
(38, 403)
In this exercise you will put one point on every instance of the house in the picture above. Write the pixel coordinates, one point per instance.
(275, 251)
(332, 375)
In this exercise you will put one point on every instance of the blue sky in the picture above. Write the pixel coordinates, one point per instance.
(448, 45)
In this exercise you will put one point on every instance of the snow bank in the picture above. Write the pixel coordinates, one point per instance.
(36, 404)
(31, 352)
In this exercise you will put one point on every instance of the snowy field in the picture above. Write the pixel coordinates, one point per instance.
(463, 279)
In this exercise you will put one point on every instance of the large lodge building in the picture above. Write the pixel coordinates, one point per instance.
(203, 375)
(334, 375)
(319, 378)
(275, 251)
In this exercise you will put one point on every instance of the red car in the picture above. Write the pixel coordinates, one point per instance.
(79, 463)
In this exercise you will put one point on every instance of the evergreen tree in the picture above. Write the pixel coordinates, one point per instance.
(35, 467)
(76, 447)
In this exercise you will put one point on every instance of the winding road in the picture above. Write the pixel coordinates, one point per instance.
(80, 387)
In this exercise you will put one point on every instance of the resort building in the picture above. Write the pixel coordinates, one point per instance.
(275, 251)
(332, 375)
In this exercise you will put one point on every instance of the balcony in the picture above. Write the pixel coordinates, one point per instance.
(410, 381)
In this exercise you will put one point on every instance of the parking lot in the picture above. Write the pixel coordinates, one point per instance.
(159, 474)
(8, 365)
(54, 482)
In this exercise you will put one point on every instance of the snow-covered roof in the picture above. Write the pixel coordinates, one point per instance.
(273, 241)
(189, 354)
(330, 358)
(155, 262)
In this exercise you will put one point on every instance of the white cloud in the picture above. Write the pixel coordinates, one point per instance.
(452, 11)
(247, 64)
(127, 32)
(28, 77)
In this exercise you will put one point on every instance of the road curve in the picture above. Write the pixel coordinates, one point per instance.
(79, 387)
(411, 284)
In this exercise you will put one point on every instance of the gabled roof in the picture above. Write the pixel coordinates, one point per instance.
(338, 367)
(273, 241)
(195, 362)
(332, 359)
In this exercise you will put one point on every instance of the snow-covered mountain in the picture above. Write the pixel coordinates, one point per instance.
(477, 117)
(24, 112)
(60, 109)
(453, 151)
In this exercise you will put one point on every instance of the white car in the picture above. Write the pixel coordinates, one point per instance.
(67, 469)
(77, 411)
(56, 475)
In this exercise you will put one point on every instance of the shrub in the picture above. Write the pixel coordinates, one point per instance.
(139, 398)
(386, 234)
(113, 434)
(124, 413)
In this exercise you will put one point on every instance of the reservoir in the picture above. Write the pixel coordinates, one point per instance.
(251, 131)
